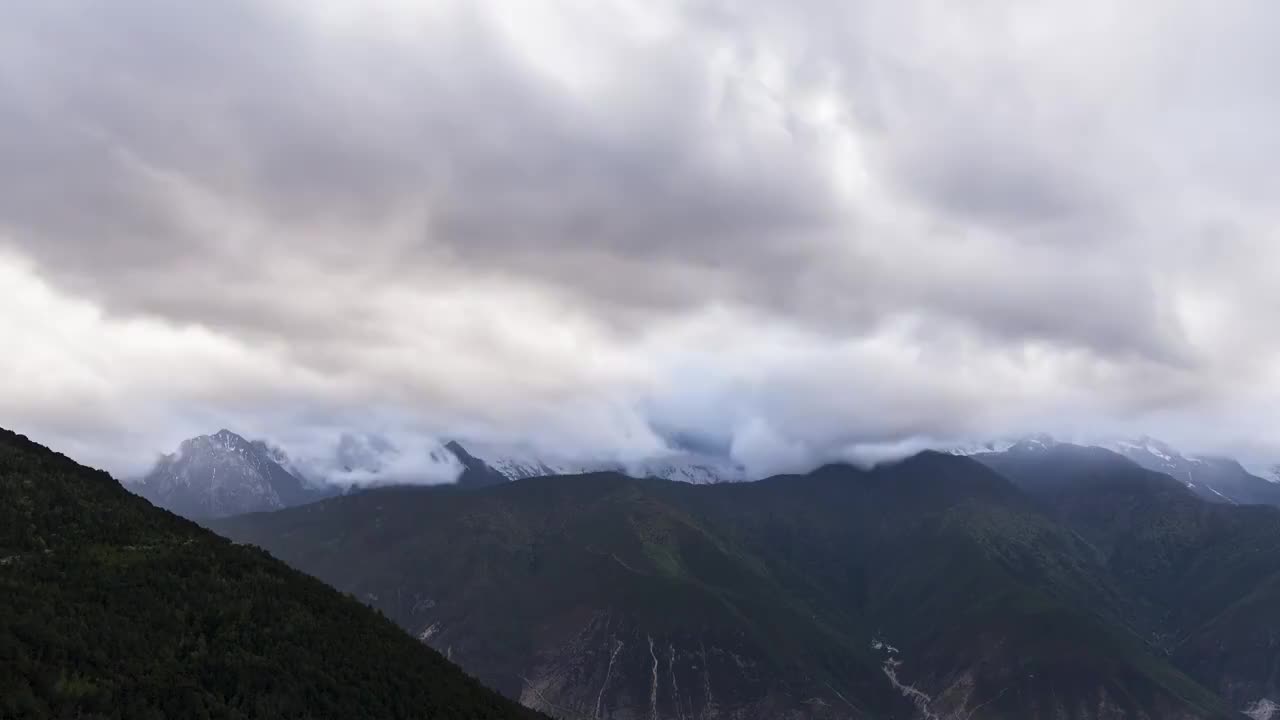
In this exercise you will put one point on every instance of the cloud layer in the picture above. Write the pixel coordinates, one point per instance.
(783, 232)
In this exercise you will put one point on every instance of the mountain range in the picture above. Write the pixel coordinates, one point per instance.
(112, 608)
(1214, 478)
(224, 474)
(1045, 580)
(1217, 479)
(1031, 579)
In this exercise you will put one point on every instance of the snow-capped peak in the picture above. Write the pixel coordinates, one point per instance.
(223, 474)
(516, 462)
(1039, 441)
(994, 446)
(1150, 446)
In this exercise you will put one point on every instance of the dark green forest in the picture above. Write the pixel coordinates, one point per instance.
(111, 608)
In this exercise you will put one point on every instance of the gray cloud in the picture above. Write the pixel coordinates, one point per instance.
(783, 231)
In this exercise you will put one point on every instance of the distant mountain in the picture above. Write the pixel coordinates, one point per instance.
(1216, 479)
(112, 608)
(224, 474)
(518, 463)
(475, 472)
(930, 588)
(1031, 442)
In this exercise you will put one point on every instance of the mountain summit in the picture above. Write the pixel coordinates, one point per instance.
(225, 474)
(1216, 479)
(1213, 478)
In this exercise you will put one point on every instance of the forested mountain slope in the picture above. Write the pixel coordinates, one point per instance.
(930, 588)
(112, 608)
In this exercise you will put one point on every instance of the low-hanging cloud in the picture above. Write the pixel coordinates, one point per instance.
(374, 459)
(784, 233)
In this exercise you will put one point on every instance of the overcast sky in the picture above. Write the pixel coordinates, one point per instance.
(781, 231)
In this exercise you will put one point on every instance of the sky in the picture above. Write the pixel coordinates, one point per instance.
(778, 232)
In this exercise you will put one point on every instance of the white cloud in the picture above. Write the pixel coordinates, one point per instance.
(790, 232)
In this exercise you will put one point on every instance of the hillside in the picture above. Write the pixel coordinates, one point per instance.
(112, 608)
(932, 588)
(1207, 574)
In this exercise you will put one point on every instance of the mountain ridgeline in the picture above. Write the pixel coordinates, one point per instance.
(112, 608)
(1044, 580)
(1063, 582)
(1216, 479)
(223, 474)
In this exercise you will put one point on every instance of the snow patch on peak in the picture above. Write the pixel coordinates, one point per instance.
(1264, 709)
(878, 644)
(995, 446)
(1035, 443)
(1147, 445)
(431, 631)
(690, 468)
(516, 462)
(1215, 492)
(222, 474)
(1040, 441)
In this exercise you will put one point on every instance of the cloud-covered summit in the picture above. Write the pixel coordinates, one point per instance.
(609, 228)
